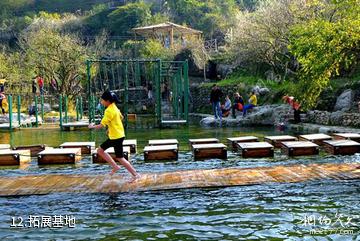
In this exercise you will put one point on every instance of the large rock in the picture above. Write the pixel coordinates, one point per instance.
(344, 101)
(260, 91)
(267, 115)
(224, 70)
(47, 107)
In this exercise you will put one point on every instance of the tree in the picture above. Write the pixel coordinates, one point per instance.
(56, 56)
(126, 17)
(326, 45)
(261, 37)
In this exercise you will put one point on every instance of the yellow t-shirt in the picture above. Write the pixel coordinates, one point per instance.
(112, 119)
(253, 100)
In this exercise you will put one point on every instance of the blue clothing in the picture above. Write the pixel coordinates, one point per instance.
(247, 107)
(227, 105)
(217, 109)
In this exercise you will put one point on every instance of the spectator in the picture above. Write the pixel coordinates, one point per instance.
(226, 108)
(40, 82)
(215, 96)
(2, 102)
(295, 106)
(252, 103)
(2, 85)
(54, 85)
(238, 104)
(33, 86)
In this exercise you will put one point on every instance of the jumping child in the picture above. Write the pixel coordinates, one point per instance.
(116, 134)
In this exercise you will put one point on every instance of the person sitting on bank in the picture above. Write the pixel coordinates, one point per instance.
(225, 109)
(238, 104)
(295, 106)
(252, 103)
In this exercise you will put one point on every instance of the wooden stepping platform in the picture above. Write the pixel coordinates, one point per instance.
(34, 149)
(235, 140)
(208, 151)
(316, 138)
(299, 148)
(132, 143)
(202, 141)
(161, 152)
(59, 156)
(6, 126)
(46, 184)
(14, 157)
(70, 126)
(131, 117)
(277, 140)
(5, 147)
(173, 122)
(347, 136)
(256, 149)
(86, 147)
(98, 159)
(342, 147)
(163, 142)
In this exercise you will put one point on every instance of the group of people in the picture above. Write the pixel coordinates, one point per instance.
(237, 105)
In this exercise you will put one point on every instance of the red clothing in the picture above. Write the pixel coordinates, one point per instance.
(40, 81)
(291, 101)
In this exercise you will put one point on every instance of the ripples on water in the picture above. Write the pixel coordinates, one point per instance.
(259, 212)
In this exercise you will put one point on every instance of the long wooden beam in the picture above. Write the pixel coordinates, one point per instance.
(45, 184)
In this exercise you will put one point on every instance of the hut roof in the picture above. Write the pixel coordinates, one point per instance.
(165, 28)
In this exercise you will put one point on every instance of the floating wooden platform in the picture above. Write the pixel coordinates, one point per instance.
(173, 122)
(131, 117)
(342, 147)
(161, 152)
(6, 126)
(207, 151)
(347, 136)
(46, 184)
(235, 140)
(34, 149)
(276, 140)
(86, 147)
(299, 148)
(13, 158)
(202, 141)
(256, 149)
(163, 142)
(5, 147)
(98, 159)
(132, 143)
(70, 126)
(316, 138)
(59, 156)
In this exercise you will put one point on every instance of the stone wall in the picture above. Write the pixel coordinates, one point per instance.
(338, 118)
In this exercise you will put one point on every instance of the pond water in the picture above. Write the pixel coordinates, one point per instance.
(274, 211)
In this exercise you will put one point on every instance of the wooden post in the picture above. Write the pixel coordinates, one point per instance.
(126, 93)
(172, 37)
(36, 112)
(42, 107)
(19, 109)
(66, 108)
(157, 69)
(186, 91)
(10, 111)
(60, 111)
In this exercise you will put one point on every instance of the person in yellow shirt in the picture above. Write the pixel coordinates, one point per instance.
(252, 103)
(116, 134)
